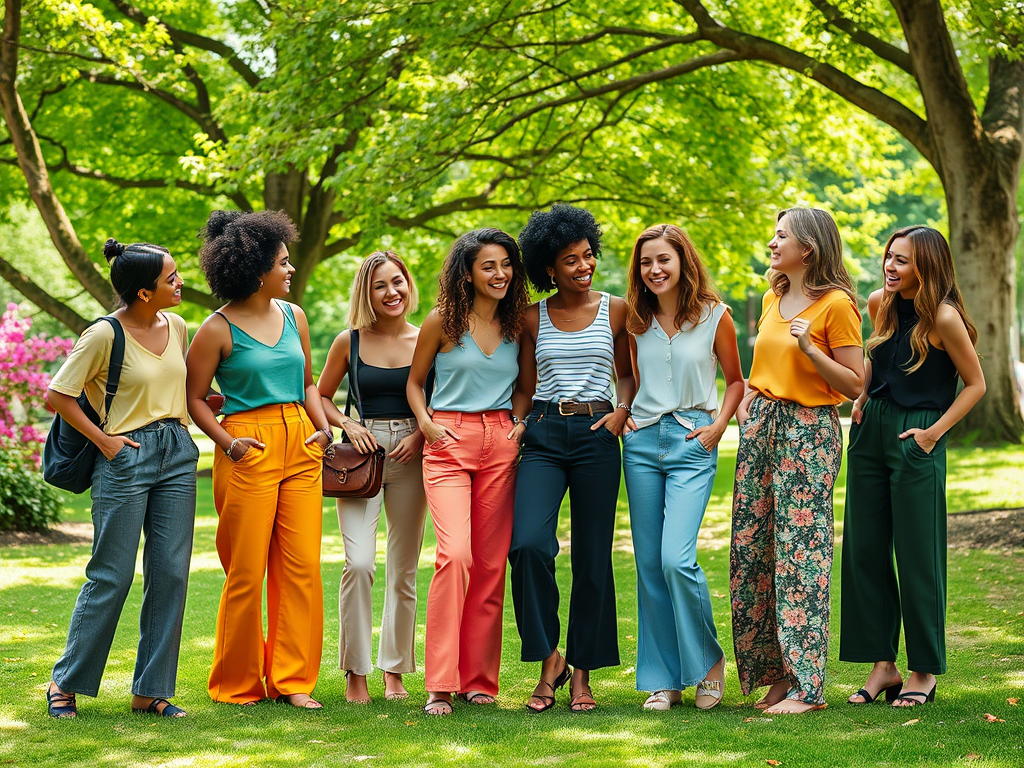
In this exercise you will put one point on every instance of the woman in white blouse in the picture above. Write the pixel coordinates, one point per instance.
(680, 333)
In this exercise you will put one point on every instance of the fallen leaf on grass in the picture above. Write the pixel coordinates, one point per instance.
(749, 719)
(774, 762)
(316, 741)
(1013, 702)
(410, 722)
(911, 722)
(973, 756)
(993, 719)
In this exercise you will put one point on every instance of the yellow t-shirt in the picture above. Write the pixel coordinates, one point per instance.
(152, 387)
(780, 370)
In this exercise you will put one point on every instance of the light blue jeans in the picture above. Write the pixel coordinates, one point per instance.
(153, 489)
(669, 480)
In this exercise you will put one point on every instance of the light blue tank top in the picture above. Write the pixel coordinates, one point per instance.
(255, 374)
(471, 382)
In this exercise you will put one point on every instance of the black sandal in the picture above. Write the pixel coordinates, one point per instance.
(549, 701)
(154, 709)
(59, 704)
(909, 696)
(891, 694)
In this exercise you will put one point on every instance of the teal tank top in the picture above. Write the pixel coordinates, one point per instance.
(255, 374)
(469, 381)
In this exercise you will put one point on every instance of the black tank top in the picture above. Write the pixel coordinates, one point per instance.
(932, 386)
(383, 392)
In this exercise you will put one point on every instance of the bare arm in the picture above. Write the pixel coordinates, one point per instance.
(72, 413)
(427, 346)
(728, 354)
(957, 343)
(335, 369)
(625, 385)
(210, 345)
(526, 382)
(314, 404)
(857, 414)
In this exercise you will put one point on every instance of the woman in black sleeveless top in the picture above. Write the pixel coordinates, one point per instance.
(923, 341)
(383, 294)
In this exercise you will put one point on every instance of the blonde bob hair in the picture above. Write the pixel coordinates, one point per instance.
(360, 311)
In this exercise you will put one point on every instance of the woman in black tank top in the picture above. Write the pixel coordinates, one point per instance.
(383, 341)
(922, 342)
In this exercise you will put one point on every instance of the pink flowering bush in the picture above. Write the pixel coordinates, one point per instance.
(23, 380)
(26, 501)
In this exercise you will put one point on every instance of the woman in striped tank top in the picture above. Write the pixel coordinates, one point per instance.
(573, 345)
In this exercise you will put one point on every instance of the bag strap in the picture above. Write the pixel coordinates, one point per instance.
(114, 367)
(353, 377)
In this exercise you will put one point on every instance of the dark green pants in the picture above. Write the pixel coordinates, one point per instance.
(895, 502)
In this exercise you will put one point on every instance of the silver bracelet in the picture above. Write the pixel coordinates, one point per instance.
(231, 449)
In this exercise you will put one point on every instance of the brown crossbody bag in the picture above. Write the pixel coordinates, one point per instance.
(349, 474)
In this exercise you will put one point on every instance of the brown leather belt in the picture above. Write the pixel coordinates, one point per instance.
(574, 407)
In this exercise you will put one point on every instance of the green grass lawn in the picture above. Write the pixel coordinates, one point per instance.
(38, 585)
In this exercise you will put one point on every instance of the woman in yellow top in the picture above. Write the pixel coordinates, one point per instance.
(144, 480)
(807, 358)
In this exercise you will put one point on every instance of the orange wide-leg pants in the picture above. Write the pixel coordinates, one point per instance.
(270, 509)
(470, 485)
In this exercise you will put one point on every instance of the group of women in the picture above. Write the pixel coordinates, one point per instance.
(489, 414)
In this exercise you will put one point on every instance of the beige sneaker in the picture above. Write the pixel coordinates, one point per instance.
(662, 701)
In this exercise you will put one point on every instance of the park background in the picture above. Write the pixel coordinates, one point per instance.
(402, 124)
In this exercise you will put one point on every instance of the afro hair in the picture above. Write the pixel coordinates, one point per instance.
(547, 233)
(239, 248)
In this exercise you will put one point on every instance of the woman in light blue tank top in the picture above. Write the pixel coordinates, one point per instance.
(267, 475)
(574, 346)
(469, 459)
(681, 333)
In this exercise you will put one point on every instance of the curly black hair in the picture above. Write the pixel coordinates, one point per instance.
(455, 291)
(239, 248)
(547, 233)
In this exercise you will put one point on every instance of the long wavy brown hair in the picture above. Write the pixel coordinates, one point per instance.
(815, 229)
(933, 265)
(455, 286)
(695, 291)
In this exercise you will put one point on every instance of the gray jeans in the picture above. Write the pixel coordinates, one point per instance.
(153, 489)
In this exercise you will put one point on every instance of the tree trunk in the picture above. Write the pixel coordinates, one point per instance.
(983, 230)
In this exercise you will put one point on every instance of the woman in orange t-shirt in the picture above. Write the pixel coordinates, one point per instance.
(807, 358)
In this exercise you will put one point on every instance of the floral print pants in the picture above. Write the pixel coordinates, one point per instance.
(782, 535)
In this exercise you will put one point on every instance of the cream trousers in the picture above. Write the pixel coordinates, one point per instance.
(405, 507)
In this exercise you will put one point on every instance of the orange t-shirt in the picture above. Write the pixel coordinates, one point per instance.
(780, 370)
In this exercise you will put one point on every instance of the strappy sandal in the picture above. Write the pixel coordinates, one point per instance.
(367, 700)
(169, 709)
(708, 689)
(662, 701)
(891, 694)
(438, 708)
(583, 701)
(549, 701)
(909, 696)
(478, 698)
(59, 704)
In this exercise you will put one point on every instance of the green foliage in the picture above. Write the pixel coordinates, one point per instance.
(27, 502)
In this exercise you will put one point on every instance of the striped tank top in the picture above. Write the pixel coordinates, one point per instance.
(576, 365)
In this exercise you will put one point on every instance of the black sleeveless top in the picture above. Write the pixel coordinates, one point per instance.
(931, 386)
(383, 392)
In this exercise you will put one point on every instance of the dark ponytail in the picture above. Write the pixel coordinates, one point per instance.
(133, 268)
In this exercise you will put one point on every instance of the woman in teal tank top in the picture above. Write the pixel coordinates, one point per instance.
(267, 475)
(469, 459)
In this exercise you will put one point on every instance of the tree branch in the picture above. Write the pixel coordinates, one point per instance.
(871, 100)
(50, 305)
(222, 50)
(200, 298)
(33, 165)
(891, 53)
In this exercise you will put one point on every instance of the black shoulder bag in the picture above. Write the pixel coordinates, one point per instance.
(349, 474)
(69, 456)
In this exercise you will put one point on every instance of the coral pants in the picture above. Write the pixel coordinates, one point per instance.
(470, 484)
(270, 509)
